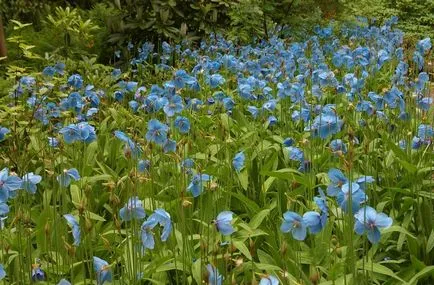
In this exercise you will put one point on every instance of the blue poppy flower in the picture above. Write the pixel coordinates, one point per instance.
(29, 182)
(338, 146)
(133, 209)
(238, 161)
(133, 147)
(215, 80)
(294, 223)
(143, 165)
(425, 132)
(53, 142)
(182, 124)
(75, 226)
(60, 67)
(2, 272)
(75, 81)
(70, 133)
(4, 210)
(357, 195)
(163, 219)
(3, 132)
(254, 111)
(37, 273)
(116, 72)
(49, 71)
(169, 146)
(157, 132)
(146, 234)
(271, 121)
(8, 184)
(269, 280)
(295, 153)
(368, 220)
(102, 270)
(64, 282)
(196, 184)
(214, 277)
(228, 103)
(321, 202)
(423, 103)
(223, 223)
(424, 45)
(173, 106)
(65, 178)
(325, 124)
(313, 221)
(337, 180)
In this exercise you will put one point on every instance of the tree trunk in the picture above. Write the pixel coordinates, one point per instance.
(3, 51)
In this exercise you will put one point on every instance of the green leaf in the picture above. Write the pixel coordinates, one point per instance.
(242, 248)
(380, 269)
(421, 274)
(430, 242)
(256, 221)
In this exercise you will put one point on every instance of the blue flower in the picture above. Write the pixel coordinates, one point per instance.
(424, 45)
(368, 220)
(228, 103)
(70, 133)
(73, 223)
(133, 147)
(64, 282)
(269, 280)
(357, 195)
(294, 223)
(157, 132)
(254, 111)
(173, 106)
(169, 146)
(162, 217)
(8, 184)
(238, 161)
(223, 223)
(3, 132)
(295, 153)
(196, 184)
(65, 178)
(75, 81)
(182, 78)
(37, 273)
(214, 277)
(2, 272)
(337, 180)
(425, 132)
(53, 142)
(182, 124)
(321, 202)
(102, 270)
(215, 80)
(271, 121)
(338, 146)
(49, 71)
(4, 210)
(133, 209)
(146, 234)
(288, 142)
(313, 221)
(29, 182)
(325, 125)
(143, 165)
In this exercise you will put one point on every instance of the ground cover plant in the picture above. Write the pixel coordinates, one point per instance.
(277, 162)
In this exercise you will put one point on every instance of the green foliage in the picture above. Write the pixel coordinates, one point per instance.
(415, 16)
(76, 33)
